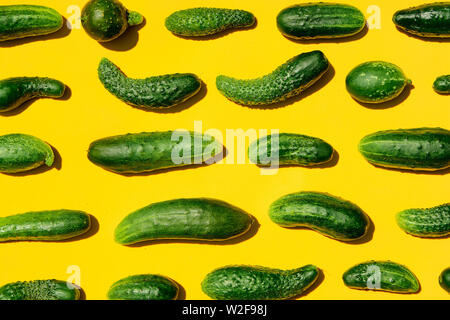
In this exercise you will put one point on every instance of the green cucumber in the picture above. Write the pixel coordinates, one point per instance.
(426, 223)
(329, 215)
(22, 152)
(320, 21)
(288, 80)
(413, 149)
(144, 287)
(381, 276)
(290, 149)
(40, 290)
(444, 280)
(196, 219)
(20, 21)
(16, 91)
(149, 151)
(258, 283)
(428, 20)
(153, 92)
(196, 22)
(442, 84)
(106, 20)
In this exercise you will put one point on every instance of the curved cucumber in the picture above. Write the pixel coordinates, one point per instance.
(381, 276)
(444, 280)
(144, 287)
(329, 215)
(153, 92)
(414, 149)
(288, 80)
(40, 290)
(198, 219)
(206, 21)
(427, 223)
(442, 84)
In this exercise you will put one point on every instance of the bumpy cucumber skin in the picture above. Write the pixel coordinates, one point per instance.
(442, 84)
(40, 290)
(320, 21)
(197, 219)
(20, 21)
(393, 277)
(288, 80)
(149, 151)
(153, 92)
(413, 149)
(144, 287)
(258, 283)
(428, 20)
(22, 152)
(329, 215)
(444, 280)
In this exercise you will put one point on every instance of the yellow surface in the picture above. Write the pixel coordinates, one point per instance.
(91, 113)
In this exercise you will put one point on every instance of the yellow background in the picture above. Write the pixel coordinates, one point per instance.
(330, 113)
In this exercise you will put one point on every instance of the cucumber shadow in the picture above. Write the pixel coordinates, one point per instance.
(57, 164)
(181, 291)
(127, 41)
(317, 283)
(391, 103)
(354, 37)
(428, 39)
(440, 172)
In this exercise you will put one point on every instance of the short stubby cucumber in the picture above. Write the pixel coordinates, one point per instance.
(40, 290)
(413, 149)
(381, 276)
(331, 216)
(144, 287)
(149, 151)
(196, 219)
(20, 21)
(15, 91)
(22, 152)
(320, 21)
(290, 149)
(442, 84)
(242, 282)
(196, 22)
(153, 92)
(444, 280)
(288, 80)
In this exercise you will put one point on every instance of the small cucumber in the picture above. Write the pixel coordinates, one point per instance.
(381, 276)
(197, 219)
(442, 84)
(329, 215)
(427, 223)
(444, 280)
(22, 152)
(258, 283)
(413, 149)
(144, 287)
(288, 80)
(40, 290)
(206, 21)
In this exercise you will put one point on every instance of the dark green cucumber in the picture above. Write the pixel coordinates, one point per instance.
(413, 149)
(320, 21)
(288, 80)
(153, 92)
(258, 283)
(442, 84)
(20, 21)
(15, 91)
(206, 21)
(332, 216)
(144, 287)
(106, 20)
(428, 20)
(40, 290)
(290, 149)
(197, 219)
(149, 151)
(381, 276)
(22, 152)
(444, 280)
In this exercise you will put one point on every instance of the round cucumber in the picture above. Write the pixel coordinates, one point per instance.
(144, 287)
(444, 280)
(40, 290)
(442, 84)
(427, 223)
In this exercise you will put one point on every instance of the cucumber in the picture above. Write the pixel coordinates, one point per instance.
(444, 280)
(144, 287)
(40, 290)
(413, 149)
(428, 20)
(22, 152)
(106, 20)
(320, 21)
(288, 80)
(15, 91)
(153, 92)
(381, 276)
(290, 149)
(20, 21)
(150, 151)
(197, 219)
(258, 283)
(197, 22)
(442, 84)
(329, 215)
